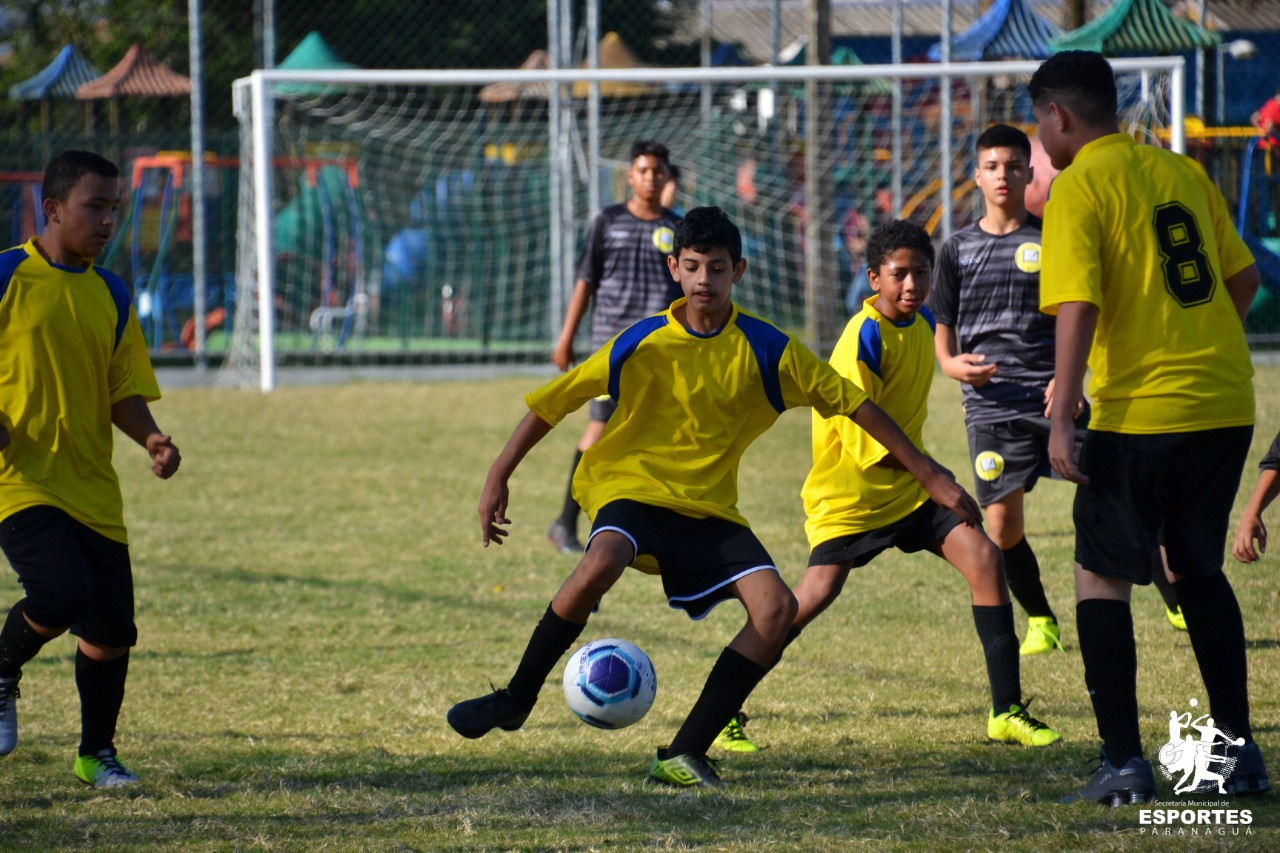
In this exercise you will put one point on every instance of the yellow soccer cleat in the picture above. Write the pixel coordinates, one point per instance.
(732, 738)
(1017, 726)
(1043, 635)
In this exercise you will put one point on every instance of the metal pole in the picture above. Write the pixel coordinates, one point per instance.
(197, 179)
(568, 139)
(1178, 109)
(262, 127)
(1219, 99)
(593, 106)
(557, 301)
(705, 60)
(268, 34)
(896, 58)
(822, 311)
(1200, 65)
(944, 131)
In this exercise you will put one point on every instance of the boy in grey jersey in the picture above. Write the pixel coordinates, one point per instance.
(992, 338)
(623, 271)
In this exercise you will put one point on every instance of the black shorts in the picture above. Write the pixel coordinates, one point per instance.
(1175, 488)
(602, 408)
(72, 575)
(698, 558)
(1012, 455)
(922, 529)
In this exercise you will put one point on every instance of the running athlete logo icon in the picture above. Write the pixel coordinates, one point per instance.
(1195, 757)
(989, 465)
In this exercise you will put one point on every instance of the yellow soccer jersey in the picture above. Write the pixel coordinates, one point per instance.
(688, 406)
(1144, 235)
(847, 492)
(67, 354)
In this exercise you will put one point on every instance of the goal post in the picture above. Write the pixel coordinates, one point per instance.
(415, 216)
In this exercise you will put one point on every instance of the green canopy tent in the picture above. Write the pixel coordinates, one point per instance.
(1137, 28)
(313, 53)
(58, 80)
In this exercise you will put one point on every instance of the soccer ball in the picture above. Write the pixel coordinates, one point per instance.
(610, 684)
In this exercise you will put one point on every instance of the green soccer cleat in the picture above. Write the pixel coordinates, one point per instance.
(1042, 636)
(103, 770)
(732, 738)
(1017, 726)
(683, 771)
(1176, 619)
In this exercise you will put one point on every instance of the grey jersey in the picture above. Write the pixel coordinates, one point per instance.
(987, 289)
(626, 259)
(1271, 462)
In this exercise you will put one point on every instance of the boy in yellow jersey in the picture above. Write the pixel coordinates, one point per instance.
(694, 386)
(858, 499)
(74, 362)
(1150, 283)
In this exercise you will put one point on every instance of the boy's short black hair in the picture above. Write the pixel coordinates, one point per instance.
(1082, 81)
(653, 148)
(704, 229)
(65, 171)
(889, 237)
(1003, 136)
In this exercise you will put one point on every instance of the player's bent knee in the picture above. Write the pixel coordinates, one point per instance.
(57, 614)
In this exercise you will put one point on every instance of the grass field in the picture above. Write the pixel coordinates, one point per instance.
(312, 597)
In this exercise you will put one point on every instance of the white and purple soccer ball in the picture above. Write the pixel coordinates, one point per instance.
(610, 683)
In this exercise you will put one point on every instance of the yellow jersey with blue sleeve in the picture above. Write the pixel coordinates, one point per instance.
(848, 491)
(71, 347)
(1143, 234)
(688, 406)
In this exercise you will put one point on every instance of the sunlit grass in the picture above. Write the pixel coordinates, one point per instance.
(312, 597)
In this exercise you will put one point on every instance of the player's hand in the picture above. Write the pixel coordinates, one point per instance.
(946, 492)
(969, 367)
(1048, 404)
(563, 356)
(165, 457)
(1251, 530)
(493, 510)
(1062, 453)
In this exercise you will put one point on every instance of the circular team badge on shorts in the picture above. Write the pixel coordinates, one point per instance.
(664, 239)
(989, 465)
(1027, 257)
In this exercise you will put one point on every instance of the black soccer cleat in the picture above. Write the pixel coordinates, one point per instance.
(1133, 783)
(497, 710)
(1249, 775)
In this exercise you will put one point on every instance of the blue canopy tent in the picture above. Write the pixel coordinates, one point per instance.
(1010, 29)
(59, 79)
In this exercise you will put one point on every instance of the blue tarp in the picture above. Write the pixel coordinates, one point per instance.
(59, 79)
(1008, 30)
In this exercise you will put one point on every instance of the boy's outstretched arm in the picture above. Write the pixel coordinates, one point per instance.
(1251, 528)
(937, 481)
(493, 500)
(133, 416)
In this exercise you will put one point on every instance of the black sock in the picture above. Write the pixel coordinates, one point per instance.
(1023, 571)
(730, 683)
(550, 640)
(1167, 590)
(1216, 630)
(1111, 674)
(19, 642)
(1000, 648)
(569, 512)
(101, 686)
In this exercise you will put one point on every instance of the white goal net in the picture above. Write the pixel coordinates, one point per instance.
(435, 216)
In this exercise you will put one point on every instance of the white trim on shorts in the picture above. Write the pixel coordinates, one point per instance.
(739, 576)
(635, 548)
